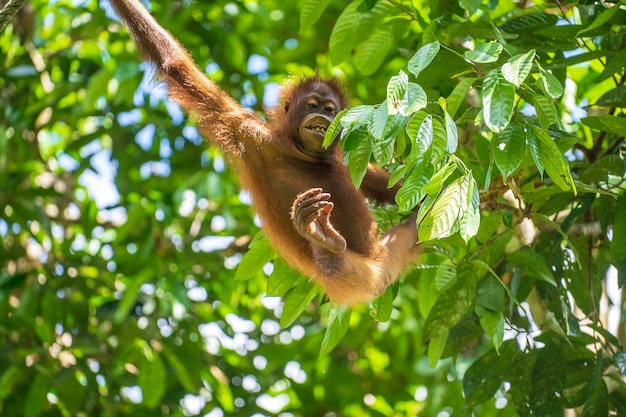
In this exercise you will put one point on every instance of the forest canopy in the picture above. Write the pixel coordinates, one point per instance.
(134, 279)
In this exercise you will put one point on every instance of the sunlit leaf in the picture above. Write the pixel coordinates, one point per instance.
(551, 84)
(396, 90)
(440, 141)
(131, 293)
(452, 133)
(485, 53)
(378, 123)
(414, 100)
(424, 137)
(423, 57)
(517, 68)
(498, 101)
(356, 115)
(449, 207)
(470, 221)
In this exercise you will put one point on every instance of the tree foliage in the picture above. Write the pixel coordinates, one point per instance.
(133, 278)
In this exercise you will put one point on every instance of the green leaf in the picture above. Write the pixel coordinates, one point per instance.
(520, 374)
(414, 100)
(310, 12)
(551, 84)
(424, 137)
(485, 53)
(383, 306)
(10, 378)
(359, 158)
(493, 324)
(452, 134)
(379, 122)
(152, 378)
(396, 90)
(458, 95)
(440, 222)
(412, 190)
(470, 222)
(440, 140)
(602, 18)
(450, 307)
(297, 301)
(548, 381)
(36, 398)
(445, 278)
(546, 112)
(282, 279)
(498, 100)
(615, 65)
(371, 53)
(437, 182)
(615, 97)
(334, 129)
(483, 378)
(598, 404)
(530, 22)
(535, 151)
(618, 243)
(131, 293)
(422, 58)
(518, 67)
(259, 254)
(620, 361)
(533, 264)
(551, 158)
(508, 148)
(436, 347)
(357, 115)
(606, 123)
(353, 27)
(338, 325)
(184, 376)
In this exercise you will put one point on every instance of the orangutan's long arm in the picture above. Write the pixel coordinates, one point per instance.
(220, 117)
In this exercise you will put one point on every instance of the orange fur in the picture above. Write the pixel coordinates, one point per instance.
(271, 163)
